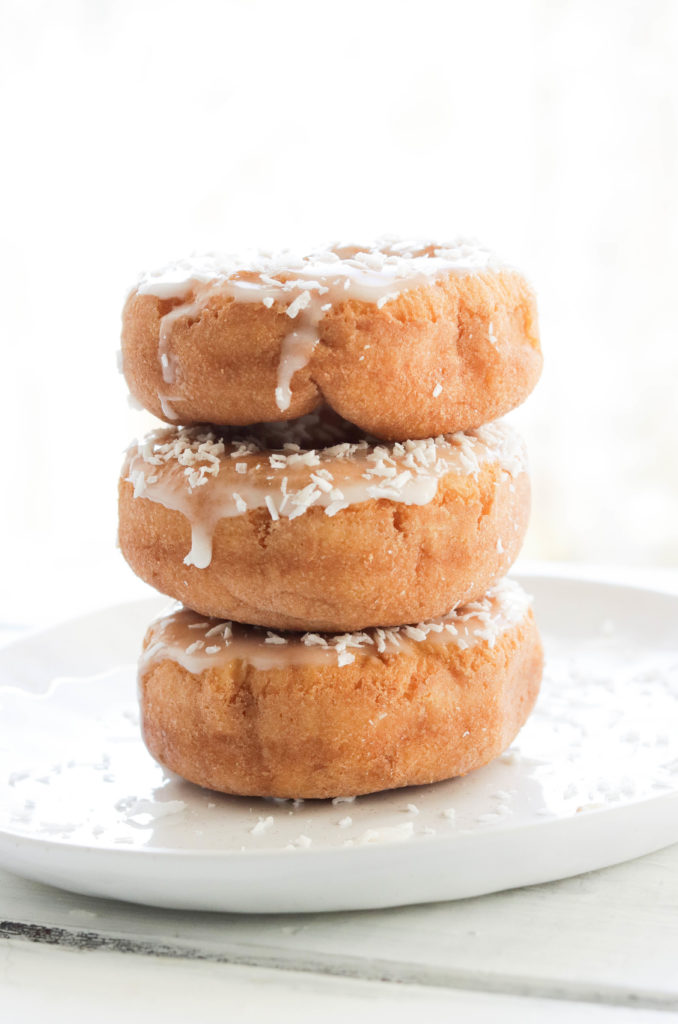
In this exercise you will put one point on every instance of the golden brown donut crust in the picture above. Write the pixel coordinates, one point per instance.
(446, 356)
(310, 731)
(375, 563)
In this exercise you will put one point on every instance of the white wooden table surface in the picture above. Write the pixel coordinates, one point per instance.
(602, 946)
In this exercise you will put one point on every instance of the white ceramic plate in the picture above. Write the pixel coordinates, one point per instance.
(591, 780)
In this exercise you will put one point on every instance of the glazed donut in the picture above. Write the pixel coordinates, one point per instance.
(325, 536)
(245, 711)
(406, 340)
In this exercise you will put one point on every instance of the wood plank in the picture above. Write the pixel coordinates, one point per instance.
(609, 936)
(109, 987)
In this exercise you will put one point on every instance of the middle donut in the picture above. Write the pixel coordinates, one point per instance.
(311, 526)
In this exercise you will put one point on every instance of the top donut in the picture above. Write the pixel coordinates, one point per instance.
(404, 339)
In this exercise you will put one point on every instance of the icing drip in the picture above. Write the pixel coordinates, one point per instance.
(208, 476)
(296, 349)
(166, 406)
(306, 288)
(167, 362)
(198, 643)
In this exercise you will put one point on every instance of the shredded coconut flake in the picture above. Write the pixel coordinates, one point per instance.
(301, 302)
(240, 504)
(270, 505)
(263, 825)
(388, 834)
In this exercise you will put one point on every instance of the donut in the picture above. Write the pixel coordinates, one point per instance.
(403, 339)
(301, 534)
(247, 711)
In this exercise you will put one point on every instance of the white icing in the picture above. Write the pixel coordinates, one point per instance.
(173, 637)
(189, 309)
(200, 474)
(167, 408)
(200, 554)
(307, 288)
(295, 352)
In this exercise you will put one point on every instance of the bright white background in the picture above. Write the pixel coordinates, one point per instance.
(135, 132)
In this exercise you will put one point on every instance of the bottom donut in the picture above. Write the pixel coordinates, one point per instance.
(247, 711)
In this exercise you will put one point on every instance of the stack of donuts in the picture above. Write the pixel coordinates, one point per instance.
(335, 504)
